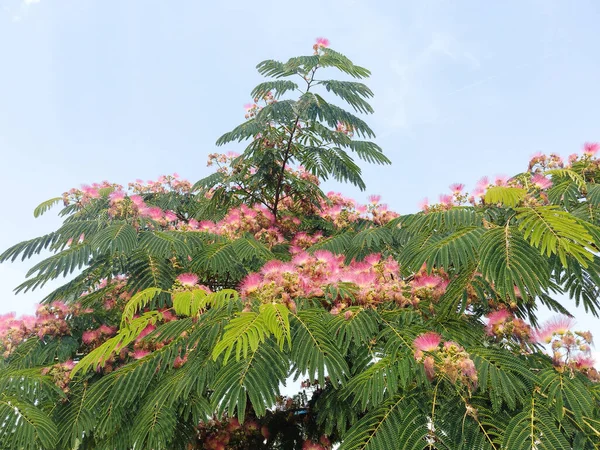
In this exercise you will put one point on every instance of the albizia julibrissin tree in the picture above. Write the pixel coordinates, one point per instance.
(192, 304)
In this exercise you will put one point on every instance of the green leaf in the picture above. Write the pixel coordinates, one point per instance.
(507, 260)
(120, 237)
(507, 195)
(45, 206)
(137, 303)
(556, 232)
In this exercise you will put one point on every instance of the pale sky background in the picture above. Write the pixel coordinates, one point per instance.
(124, 89)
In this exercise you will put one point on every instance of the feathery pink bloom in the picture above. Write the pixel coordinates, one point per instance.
(69, 364)
(427, 342)
(483, 183)
(584, 362)
(116, 196)
(374, 199)
(188, 279)
(89, 336)
(146, 331)
(322, 42)
(251, 283)
(424, 204)
(426, 281)
(105, 329)
(170, 216)
(446, 200)
(139, 354)
(429, 364)
(556, 325)
(591, 148)
(249, 106)
(137, 200)
(497, 317)
(540, 181)
(500, 180)
(457, 188)
(154, 212)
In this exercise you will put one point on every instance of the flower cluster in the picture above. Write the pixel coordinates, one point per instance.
(342, 211)
(570, 349)
(535, 180)
(49, 320)
(164, 184)
(502, 324)
(86, 193)
(373, 280)
(344, 129)
(447, 359)
(320, 44)
(428, 286)
(218, 434)
(61, 374)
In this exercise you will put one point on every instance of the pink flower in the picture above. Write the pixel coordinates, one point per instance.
(457, 188)
(424, 204)
(483, 183)
(69, 364)
(540, 181)
(250, 284)
(146, 331)
(427, 342)
(584, 362)
(591, 148)
(170, 216)
(137, 200)
(322, 42)
(501, 180)
(89, 336)
(446, 200)
(105, 329)
(374, 199)
(249, 106)
(497, 317)
(556, 325)
(139, 354)
(116, 196)
(154, 212)
(429, 364)
(188, 279)
(426, 281)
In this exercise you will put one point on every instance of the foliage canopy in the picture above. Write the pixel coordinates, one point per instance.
(190, 305)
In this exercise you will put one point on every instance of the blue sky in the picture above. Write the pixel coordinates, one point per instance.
(119, 90)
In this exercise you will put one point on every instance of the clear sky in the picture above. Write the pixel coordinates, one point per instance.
(125, 89)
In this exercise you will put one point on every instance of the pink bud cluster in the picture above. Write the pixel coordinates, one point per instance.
(49, 320)
(115, 294)
(342, 211)
(323, 444)
(320, 44)
(538, 164)
(86, 193)
(226, 433)
(309, 276)
(428, 286)
(570, 349)
(447, 359)
(61, 374)
(503, 325)
(163, 185)
(344, 128)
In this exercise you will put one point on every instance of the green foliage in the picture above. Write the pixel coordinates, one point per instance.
(162, 360)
